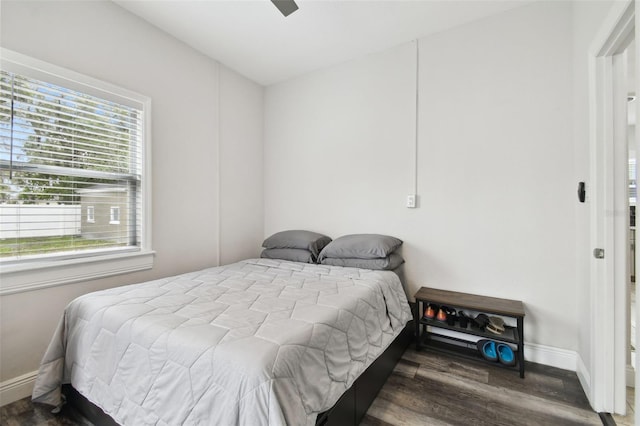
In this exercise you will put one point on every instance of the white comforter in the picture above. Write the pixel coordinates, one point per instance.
(253, 343)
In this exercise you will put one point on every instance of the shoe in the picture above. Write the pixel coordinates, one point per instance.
(451, 316)
(480, 321)
(487, 349)
(464, 319)
(442, 314)
(505, 354)
(430, 312)
(496, 325)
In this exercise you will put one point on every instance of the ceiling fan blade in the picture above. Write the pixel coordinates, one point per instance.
(286, 7)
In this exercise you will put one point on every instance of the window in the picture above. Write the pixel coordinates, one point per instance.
(69, 143)
(114, 216)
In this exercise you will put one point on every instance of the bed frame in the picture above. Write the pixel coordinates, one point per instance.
(354, 403)
(349, 410)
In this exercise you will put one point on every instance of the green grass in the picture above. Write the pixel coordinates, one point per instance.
(39, 245)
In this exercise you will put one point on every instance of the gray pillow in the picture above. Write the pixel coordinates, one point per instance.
(361, 246)
(386, 263)
(305, 240)
(294, 255)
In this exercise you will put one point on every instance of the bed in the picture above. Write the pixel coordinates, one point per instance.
(260, 341)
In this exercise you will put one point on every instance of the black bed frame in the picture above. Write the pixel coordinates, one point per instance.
(349, 410)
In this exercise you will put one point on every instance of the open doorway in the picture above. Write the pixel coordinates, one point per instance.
(630, 59)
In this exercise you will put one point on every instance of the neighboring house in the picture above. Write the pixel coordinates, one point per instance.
(105, 213)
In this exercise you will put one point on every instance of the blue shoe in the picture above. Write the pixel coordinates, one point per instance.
(506, 355)
(487, 349)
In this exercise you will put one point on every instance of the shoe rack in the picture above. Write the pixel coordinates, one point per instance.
(429, 330)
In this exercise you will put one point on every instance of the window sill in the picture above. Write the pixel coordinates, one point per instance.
(51, 274)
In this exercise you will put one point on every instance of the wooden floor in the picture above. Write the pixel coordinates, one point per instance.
(25, 413)
(430, 389)
(628, 419)
(436, 389)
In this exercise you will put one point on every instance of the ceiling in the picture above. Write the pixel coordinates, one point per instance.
(253, 38)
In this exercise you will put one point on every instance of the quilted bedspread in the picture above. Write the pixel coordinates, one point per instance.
(252, 343)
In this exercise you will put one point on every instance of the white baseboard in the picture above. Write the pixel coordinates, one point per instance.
(17, 388)
(585, 378)
(549, 355)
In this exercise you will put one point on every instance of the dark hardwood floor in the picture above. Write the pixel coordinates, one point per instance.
(25, 413)
(427, 388)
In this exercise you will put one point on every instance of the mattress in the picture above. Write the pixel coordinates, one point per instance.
(256, 342)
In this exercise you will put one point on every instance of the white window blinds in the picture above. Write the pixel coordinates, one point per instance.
(69, 162)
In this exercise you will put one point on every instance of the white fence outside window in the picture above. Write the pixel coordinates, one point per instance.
(36, 220)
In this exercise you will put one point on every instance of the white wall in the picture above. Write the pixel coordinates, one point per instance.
(190, 94)
(495, 160)
(337, 147)
(241, 169)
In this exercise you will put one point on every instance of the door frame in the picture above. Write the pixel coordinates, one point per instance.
(608, 345)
